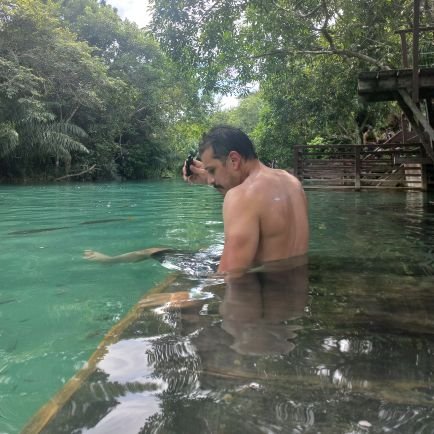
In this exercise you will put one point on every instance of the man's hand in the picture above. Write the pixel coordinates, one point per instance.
(91, 255)
(199, 175)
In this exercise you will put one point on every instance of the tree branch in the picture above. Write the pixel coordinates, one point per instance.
(90, 169)
(73, 113)
(324, 29)
(361, 56)
(321, 52)
(300, 14)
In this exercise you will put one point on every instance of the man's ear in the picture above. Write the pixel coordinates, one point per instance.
(235, 159)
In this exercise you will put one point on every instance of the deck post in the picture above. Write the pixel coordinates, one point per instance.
(295, 158)
(416, 28)
(300, 156)
(430, 111)
(357, 167)
(404, 49)
(424, 177)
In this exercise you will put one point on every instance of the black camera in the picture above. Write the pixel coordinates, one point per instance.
(188, 163)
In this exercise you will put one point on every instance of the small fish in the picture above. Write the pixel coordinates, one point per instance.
(35, 231)
(94, 222)
(10, 300)
(93, 334)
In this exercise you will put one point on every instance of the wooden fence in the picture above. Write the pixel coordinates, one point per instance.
(391, 166)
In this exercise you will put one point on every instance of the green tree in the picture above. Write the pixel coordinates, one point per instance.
(305, 55)
(85, 80)
(40, 91)
(134, 132)
(246, 115)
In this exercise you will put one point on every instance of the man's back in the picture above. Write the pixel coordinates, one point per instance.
(278, 200)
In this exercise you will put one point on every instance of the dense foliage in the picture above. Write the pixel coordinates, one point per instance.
(80, 87)
(305, 55)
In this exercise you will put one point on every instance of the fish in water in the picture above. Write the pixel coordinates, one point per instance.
(35, 231)
(94, 222)
(90, 222)
(7, 301)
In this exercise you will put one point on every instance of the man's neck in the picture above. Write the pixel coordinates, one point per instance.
(250, 167)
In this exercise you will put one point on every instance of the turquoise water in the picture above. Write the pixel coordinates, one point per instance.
(55, 307)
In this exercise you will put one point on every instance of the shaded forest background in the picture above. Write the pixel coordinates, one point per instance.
(84, 92)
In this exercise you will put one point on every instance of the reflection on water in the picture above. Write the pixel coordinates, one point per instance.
(256, 306)
(285, 349)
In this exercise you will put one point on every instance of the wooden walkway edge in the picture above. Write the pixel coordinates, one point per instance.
(155, 297)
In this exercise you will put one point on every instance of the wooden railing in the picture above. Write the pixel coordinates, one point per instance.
(396, 166)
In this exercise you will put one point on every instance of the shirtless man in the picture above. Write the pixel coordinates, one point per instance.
(264, 210)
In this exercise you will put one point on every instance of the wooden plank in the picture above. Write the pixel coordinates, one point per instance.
(329, 169)
(380, 166)
(372, 166)
(327, 174)
(397, 187)
(331, 176)
(329, 161)
(376, 175)
(326, 169)
(412, 160)
(383, 181)
(328, 187)
(331, 179)
(379, 169)
(387, 152)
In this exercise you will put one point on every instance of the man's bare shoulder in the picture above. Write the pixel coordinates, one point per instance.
(267, 181)
(236, 194)
(271, 179)
(287, 176)
(241, 199)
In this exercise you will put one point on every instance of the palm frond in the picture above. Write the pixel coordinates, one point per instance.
(56, 142)
(9, 138)
(68, 128)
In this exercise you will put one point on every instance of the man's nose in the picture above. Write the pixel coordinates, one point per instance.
(210, 179)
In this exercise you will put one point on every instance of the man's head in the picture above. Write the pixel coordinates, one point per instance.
(224, 152)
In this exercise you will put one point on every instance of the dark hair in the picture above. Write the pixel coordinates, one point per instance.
(224, 139)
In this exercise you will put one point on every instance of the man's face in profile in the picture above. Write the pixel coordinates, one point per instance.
(220, 173)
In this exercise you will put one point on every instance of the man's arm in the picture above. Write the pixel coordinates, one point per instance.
(241, 223)
(138, 255)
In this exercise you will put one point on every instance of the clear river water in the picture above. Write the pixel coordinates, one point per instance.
(350, 351)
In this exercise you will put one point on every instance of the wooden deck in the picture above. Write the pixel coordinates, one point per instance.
(410, 86)
(376, 166)
(385, 85)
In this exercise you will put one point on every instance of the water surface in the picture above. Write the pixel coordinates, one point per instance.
(361, 340)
